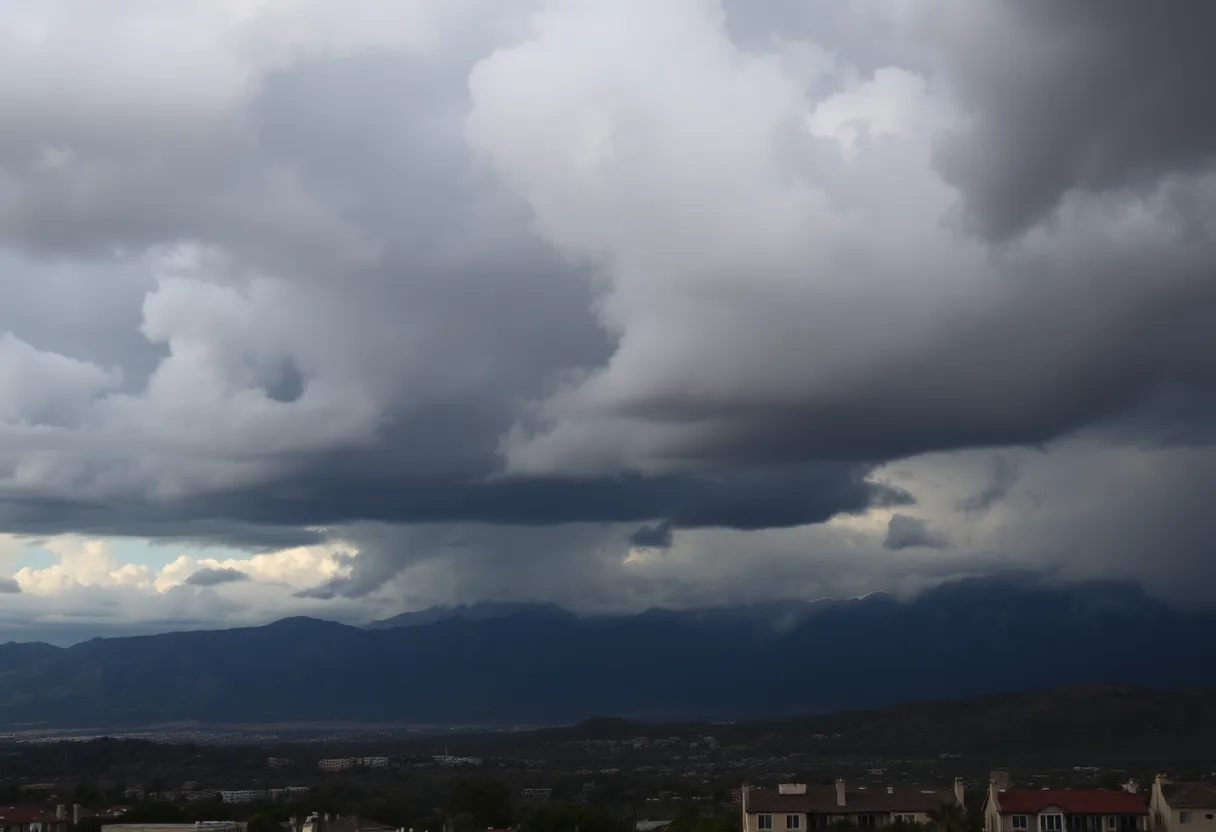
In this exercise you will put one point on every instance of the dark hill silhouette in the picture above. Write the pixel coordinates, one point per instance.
(532, 665)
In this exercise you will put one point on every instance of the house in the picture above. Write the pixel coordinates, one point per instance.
(1182, 807)
(32, 819)
(796, 806)
(337, 823)
(1062, 810)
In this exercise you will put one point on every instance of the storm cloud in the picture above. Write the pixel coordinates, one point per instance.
(217, 577)
(567, 279)
(905, 532)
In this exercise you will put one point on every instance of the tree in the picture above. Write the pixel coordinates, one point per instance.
(154, 811)
(487, 803)
(86, 794)
(572, 819)
(692, 820)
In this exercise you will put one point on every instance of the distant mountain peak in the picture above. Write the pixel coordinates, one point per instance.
(304, 622)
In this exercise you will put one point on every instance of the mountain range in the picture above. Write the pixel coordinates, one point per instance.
(519, 663)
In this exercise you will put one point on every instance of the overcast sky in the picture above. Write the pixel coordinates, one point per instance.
(347, 308)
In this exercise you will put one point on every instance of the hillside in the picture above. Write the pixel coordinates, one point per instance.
(528, 666)
(1094, 723)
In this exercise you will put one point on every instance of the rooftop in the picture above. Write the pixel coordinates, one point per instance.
(821, 800)
(1195, 795)
(1072, 801)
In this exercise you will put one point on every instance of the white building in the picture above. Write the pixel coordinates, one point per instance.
(337, 764)
(243, 795)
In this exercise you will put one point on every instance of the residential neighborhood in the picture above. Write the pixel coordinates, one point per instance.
(1183, 806)
(797, 806)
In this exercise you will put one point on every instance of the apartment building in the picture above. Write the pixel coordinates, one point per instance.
(1062, 810)
(797, 806)
(1182, 806)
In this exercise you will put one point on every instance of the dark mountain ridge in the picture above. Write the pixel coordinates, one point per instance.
(527, 665)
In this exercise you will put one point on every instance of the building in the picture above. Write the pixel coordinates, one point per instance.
(1062, 810)
(449, 760)
(243, 795)
(796, 806)
(337, 823)
(32, 819)
(337, 764)
(201, 826)
(1182, 807)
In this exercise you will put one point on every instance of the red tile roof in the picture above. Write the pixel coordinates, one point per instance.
(1073, 801)
(28, 814)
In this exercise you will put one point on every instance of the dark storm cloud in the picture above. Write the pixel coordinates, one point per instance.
(1088, 95)
(464, 337)
(1018, 345)
(177, 522)
(761, 498)
(655, 536)
(9, 587)
(217, 577)
(471, 270)
(905, 532)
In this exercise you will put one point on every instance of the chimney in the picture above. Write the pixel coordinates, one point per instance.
(744, 792)
(61, 812)
(75, 814)
(840, 792)
(1132, 786)
(958, 791)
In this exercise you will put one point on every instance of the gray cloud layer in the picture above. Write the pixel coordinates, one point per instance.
(217, 577)
(905, 532)
(467, 263)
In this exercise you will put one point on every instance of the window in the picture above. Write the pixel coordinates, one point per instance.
(793, 821)
(1184, 817)
(1112, 823)
(866, 821)
(905, 818)
(764, 822)
(1020, 822)
(1051, 823)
